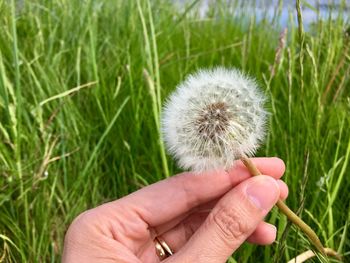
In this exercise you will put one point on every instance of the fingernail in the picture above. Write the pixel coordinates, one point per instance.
(263, 191)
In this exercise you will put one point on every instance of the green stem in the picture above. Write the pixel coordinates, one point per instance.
(17, 127)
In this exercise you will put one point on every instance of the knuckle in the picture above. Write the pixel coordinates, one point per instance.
(231, 223)
(187, 187)
(85, 218)
(80, 224)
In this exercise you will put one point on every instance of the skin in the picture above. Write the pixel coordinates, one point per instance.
(203, 218)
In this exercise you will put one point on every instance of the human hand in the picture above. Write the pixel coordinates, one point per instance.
(203, 218)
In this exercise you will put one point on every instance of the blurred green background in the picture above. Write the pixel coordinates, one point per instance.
(81, 89)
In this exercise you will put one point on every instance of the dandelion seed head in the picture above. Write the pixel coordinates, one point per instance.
(213, 118)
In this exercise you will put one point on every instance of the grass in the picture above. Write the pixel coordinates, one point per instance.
(81, 89)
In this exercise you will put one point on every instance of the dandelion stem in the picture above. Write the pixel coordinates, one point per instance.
(292, 216)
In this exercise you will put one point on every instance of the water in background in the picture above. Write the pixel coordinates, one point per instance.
(266, 9)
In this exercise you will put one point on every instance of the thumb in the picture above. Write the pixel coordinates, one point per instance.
(231, 222)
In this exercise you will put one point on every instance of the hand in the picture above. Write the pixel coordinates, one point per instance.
(203, 218)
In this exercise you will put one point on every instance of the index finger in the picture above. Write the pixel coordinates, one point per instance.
(169, 198)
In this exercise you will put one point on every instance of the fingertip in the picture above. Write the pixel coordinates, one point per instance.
(264, 234)
(280, 164)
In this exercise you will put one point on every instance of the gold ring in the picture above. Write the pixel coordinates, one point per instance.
(162, 249)
(159, 250)
(165, 246)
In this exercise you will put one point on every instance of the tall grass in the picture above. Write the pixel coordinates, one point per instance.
(81, 89)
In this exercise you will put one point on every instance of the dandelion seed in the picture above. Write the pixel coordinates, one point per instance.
(213, 118)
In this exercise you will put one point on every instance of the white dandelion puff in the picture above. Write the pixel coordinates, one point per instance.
(213, 118)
